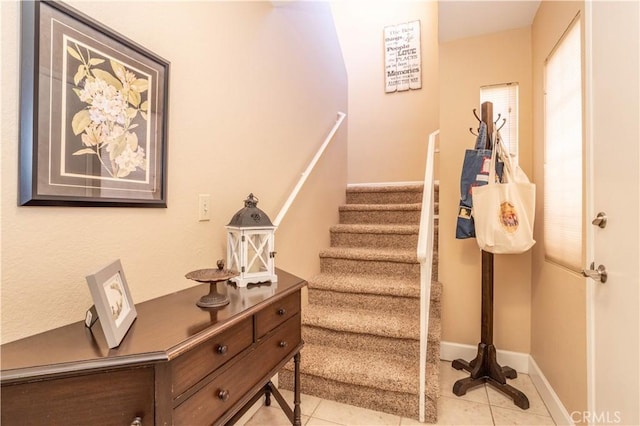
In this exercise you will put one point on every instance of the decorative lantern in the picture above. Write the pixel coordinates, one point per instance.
(250, 243)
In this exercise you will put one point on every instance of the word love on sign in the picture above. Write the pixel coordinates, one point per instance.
(402, 57)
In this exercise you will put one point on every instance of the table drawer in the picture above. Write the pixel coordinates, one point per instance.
(277, 313)
(109, 398)
(217, 397)
(192, 366)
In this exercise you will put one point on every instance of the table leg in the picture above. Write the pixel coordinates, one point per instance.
(267, 395)
(296, 390)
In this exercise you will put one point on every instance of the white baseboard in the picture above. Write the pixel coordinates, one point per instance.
(559, 414)
(517, 360)
(522, 363)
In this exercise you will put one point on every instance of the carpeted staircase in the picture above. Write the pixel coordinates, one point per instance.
(361, 327)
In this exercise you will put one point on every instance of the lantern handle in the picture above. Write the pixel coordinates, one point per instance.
(251, 200)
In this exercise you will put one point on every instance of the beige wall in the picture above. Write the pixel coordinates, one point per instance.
(558, 298)
(465, 66)
(254, 89)
(387, 131)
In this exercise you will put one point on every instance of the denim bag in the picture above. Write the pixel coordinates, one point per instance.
(475, 172)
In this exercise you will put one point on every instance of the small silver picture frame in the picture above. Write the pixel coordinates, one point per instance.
(113, 302)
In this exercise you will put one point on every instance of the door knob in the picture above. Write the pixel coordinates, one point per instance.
(600, 220)
(599, 274)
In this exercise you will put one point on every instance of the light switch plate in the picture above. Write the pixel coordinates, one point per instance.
(204, 207)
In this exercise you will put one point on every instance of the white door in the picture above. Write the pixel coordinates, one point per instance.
(612, 34)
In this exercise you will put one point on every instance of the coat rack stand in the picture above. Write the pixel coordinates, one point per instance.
(484, 368)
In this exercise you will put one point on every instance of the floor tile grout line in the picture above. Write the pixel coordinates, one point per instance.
(316, 408)
(493, 419)
(320, 418)
(520, 410)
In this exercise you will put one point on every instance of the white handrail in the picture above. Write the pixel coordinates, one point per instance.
(305, 174)
(426, 217)
(425, 257)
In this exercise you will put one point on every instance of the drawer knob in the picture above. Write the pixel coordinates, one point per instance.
(137, 421)
(223, 394)
(283, 344)
(222, 349)
(282, 311)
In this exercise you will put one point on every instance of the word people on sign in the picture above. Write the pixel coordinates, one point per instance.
(402, 57)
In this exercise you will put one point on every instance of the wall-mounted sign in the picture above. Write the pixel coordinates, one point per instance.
(402, 58)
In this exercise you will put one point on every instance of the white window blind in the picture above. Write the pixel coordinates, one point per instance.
(504, 98)
(563, 152)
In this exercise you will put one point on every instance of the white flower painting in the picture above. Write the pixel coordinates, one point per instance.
(113, 96)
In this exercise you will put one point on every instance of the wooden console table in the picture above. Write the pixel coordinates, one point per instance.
(177, 365)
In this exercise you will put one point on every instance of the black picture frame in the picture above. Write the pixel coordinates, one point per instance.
(93, 113)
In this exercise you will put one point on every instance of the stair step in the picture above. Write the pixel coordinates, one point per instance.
(388, 194)
(375, 235)
(371, 254)
(363, 321)
(373, 284)
(361, 368)
(361, 342)
(375, 229)
(322, 331)
(370, 331)
(366, 284)
(397, 403)
(370, 261)
(359, 377)
(382, 304)
(373, 292)
(380, 213)
(354, 341)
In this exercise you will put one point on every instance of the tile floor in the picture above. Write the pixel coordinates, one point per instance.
(480, 406)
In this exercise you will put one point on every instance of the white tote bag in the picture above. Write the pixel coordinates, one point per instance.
(504, 212)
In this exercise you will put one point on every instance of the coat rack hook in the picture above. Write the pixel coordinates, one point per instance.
(476, 114)
(471, 130)
(504, 121)
(497, 119)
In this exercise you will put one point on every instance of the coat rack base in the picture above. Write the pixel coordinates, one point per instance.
(484, 368)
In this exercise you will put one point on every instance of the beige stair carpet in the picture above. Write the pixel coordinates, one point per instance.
(361, 327)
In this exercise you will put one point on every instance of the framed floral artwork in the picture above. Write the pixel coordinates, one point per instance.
(93, 113)
(113, 302)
